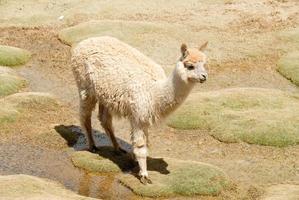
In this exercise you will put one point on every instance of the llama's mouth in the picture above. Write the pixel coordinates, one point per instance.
(196, 80)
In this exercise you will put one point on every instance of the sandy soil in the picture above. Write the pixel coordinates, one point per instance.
(243, 53)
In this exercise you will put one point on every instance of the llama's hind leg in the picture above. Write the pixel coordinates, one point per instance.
(87, 105)
(105, 118)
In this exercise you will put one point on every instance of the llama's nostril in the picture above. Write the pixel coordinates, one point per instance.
(204, 77)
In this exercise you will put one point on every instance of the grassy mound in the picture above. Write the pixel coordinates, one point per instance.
(10, 84)
(252, 115)
(14, 105)
(106, 161)
(47, 13)
(290, 35)
(139, 34)
(288, 66)
(184, 178)
(126, 31)
(7, 113)
(145, 36)
(26, 187)
(12, 56)
(29, 99)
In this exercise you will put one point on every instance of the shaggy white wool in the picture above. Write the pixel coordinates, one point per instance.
(126, 81)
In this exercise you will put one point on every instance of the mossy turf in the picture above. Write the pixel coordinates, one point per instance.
(291, 35)
(14, 105)
(139, 34)
(184, 178)
(105, 161)
(170, 177)
(30, 99)
(253, 115)
(288, 66)
(45, 13)
(145, 36)
(27, 187)
(10, 82)
(126, 31)
(13, 56)
(7, 113)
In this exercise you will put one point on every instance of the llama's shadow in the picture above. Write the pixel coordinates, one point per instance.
(76, 139)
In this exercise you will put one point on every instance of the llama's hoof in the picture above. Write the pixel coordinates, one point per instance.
(93, 149)
(145, 180)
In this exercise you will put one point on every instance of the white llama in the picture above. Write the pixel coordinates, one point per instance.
(128, 84)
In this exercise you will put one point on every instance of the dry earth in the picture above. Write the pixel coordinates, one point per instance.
(243, 52)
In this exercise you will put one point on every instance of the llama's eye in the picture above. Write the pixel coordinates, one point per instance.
(190, 67)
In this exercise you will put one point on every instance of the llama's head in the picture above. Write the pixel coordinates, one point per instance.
(191, 64)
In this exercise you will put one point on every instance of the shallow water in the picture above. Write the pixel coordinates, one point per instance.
(56, 165)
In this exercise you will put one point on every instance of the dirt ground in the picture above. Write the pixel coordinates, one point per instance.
(243, 52)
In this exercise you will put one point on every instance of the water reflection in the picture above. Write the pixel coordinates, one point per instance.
(103, 185)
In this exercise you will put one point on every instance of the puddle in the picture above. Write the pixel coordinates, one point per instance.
(105, 187)
(17, 158)
(55, 164)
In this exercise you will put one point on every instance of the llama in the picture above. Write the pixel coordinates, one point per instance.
(126, 83)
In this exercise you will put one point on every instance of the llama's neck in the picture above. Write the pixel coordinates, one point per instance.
(171, 93)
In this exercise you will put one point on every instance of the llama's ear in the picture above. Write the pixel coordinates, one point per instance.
(203, 47)
(183, 49)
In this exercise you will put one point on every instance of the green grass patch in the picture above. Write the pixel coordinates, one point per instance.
(170, 176)
(253, 115)
(106, 161)
(145, 36)
(14, 105)
(291, 35)
(132, 32)
(288, 66)
(45, 13)
(10, 84)
(12, 56)
(159, 40)
(141, 35)
(31, 99)
(185, 178)
(7, 113)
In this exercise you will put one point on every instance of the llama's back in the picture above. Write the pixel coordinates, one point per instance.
(116, 54)
(120, 74)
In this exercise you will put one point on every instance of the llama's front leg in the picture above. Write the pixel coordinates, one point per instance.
(140, 153)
